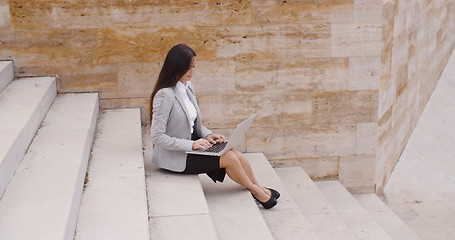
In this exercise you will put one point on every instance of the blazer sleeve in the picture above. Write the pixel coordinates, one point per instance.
(162, 105)
(205, 131)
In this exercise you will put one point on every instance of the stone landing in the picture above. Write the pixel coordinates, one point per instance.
(421, 190)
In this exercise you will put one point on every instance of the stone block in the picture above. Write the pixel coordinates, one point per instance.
(141, 44)
(271, 75)
(340, 108)
(368, 11)
(102, 78)
(357, 173)
(257, 40)
(364, 73)
(401, 121)
(387, 96)
(399, 69)
(5, 17)
(356, 39)
(137, 79)
(279, 109)
(288, 41)
(214, 77)
(142, 103)
(367, 138)
(323, 168)
(307, 11)
(109, 14)
(296, 141)
(171, 14)
(315, 40)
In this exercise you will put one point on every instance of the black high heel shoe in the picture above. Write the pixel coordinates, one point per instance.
(275, 193)
(269, 204)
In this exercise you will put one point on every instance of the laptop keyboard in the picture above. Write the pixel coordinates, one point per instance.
(216, 148)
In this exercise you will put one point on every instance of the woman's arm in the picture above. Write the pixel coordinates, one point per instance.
(162, 105)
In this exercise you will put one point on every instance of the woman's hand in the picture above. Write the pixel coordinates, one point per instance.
(201, 144)
(214, 138)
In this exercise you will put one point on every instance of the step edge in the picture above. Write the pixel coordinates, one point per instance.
(16, 151)
(67, 232)
(140, 158)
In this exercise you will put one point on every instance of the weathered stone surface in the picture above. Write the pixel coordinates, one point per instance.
(137, 79)
(319, 72)
(343, 108)
(215, 77)
(364, 73)
(102, 78)
(112, 13)
(356, 39)
(142, 103)
(273, 11)
(301, 142)
(257, 40)
(415, 52)
(269, 75)
(5, 17)
(357, 172)
(273, 110)
(368, 10)
(367, 138)
(323, 168)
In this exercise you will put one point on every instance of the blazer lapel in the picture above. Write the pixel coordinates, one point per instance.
(182, 103)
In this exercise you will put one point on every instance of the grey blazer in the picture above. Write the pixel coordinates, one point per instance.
(171, 130)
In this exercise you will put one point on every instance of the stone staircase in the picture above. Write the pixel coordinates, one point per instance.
(70, 171)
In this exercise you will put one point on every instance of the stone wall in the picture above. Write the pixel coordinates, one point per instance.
(318, 73)
(418, 38)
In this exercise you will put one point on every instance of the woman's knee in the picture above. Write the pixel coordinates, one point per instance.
(229, 159)
(240, 156)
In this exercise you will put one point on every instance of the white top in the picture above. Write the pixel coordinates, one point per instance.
(182, 91)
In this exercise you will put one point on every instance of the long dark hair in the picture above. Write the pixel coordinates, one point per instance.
(176, 64)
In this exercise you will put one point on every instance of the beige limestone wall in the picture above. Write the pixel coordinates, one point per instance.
(314, 71)
(418, 38)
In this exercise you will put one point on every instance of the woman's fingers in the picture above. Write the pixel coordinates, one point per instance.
(212, 139)
(204, 143)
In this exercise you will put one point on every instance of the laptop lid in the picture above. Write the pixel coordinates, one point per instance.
(236, 138)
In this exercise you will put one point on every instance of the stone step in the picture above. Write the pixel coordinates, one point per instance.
(6, 74)
(285, 220)
(114, 201)
(316, 208)
(233, 210)
(357, 219)
(23, 106)
(394, 226)
(177, 206)
(42, 200)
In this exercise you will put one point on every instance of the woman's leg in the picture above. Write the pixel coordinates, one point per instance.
(249, 171)
(235, 171)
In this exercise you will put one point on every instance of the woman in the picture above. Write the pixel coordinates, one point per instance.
(176, 128)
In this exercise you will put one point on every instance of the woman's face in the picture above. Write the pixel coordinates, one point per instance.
(189, 74)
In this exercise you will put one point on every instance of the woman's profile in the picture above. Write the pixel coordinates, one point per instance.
(177, 128)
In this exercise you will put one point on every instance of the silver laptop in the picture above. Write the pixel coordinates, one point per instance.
(219, 149)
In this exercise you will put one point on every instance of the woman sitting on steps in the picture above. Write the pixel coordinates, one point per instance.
(177, 128)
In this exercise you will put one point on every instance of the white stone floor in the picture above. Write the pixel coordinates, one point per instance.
(421, 189)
